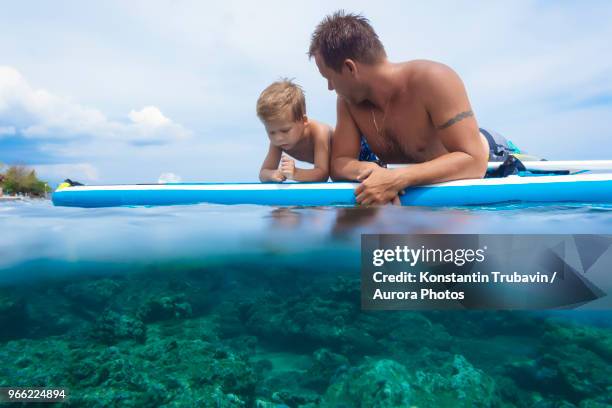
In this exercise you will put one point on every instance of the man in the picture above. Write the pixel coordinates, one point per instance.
(410, 112)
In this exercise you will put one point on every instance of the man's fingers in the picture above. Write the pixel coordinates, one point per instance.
(360, 198)
(396, 201)
(359, 189)
(365, 199)
(364, 174)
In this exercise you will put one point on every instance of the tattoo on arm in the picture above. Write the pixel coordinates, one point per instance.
(456, 119)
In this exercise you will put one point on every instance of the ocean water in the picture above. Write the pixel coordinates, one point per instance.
(249, 306)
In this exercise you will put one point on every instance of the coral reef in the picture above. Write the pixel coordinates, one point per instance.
(204, 337)
(376, 383)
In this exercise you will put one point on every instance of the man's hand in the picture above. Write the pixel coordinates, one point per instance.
(287, 167)
(378, 186)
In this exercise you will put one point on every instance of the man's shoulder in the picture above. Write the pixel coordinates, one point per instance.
(425, 70)
(429, 79)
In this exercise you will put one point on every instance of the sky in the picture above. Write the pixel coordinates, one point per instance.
(125, 92)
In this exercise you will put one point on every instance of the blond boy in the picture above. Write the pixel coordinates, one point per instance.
(281, 107)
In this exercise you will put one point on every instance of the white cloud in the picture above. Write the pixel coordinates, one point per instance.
(36, 113)
(84, 172)
(151, 124)
(7, 131)
(169, 178)
(196, 160)
(149, 116)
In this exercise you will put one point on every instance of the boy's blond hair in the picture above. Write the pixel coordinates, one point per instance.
(279, 97)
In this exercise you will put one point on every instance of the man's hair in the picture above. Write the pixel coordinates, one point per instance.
(278, 98)
(346, 35)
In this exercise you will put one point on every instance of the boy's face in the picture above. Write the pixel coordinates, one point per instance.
(285, 132)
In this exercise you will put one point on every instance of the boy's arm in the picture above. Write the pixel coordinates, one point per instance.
(320, 172)
(346, 143)
(269, 169)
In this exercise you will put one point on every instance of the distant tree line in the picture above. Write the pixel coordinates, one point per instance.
(21, 180)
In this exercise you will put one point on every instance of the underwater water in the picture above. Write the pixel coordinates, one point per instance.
(249, 306)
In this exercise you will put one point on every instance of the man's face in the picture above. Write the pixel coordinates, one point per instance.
(342, 82)
(284, 132)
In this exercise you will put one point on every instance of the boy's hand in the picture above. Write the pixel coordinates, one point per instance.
(277, 176)
(287, 167)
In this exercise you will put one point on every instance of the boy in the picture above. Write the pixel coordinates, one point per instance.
(282, 109)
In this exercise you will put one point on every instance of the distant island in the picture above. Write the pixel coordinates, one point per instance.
(20, 180)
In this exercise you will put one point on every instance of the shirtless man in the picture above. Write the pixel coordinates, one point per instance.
(410, 112)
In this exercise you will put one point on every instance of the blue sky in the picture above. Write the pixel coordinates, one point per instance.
(115, 91)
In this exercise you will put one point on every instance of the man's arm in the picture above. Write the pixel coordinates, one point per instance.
(269, 169)
(447, 103)
(446, 100)
(346, 143)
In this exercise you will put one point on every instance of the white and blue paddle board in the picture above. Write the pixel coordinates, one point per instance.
(584, 188)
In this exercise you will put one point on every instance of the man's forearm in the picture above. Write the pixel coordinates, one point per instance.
(451, 166)
(347, 168)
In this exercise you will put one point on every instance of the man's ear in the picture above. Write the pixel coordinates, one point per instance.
(305, 120)
(351, 66)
